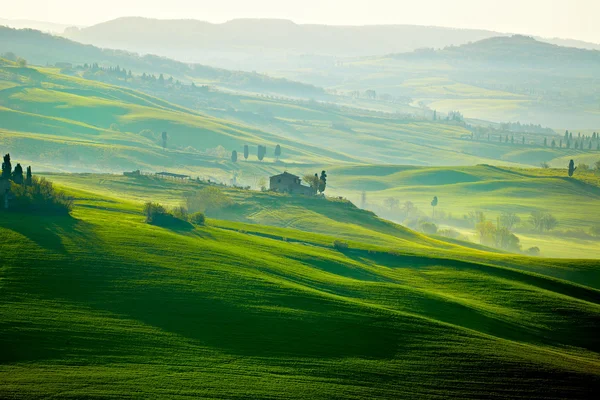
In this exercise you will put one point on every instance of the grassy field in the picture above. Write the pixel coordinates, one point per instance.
(66, 123)
(489, 189)
(102, 305)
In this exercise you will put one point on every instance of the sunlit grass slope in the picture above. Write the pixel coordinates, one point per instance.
(101, 304)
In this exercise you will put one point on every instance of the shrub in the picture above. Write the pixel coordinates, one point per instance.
(40, 196)
(428, 228)
(339, 245)
(180, 213)
(158, 215)
(197, 218)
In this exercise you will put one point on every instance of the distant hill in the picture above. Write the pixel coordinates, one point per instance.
(43, 49)
(516, 78)
(43, 26)
(273, 44)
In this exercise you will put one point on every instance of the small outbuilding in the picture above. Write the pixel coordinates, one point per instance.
(290, 183)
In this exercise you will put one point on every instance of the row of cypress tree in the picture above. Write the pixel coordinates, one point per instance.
(15, 175)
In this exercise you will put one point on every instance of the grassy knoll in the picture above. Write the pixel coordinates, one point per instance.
(102, 305)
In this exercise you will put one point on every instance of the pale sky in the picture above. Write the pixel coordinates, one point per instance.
(577, 19)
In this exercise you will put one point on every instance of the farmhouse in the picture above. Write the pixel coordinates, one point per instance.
(289, 183)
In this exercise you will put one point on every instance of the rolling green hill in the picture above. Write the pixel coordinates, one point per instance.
(491, 190)
(101, 304)
(66, 122)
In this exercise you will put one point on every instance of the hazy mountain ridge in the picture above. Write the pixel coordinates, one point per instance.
(42, 49)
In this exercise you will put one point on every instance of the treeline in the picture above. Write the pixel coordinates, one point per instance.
(21, 191)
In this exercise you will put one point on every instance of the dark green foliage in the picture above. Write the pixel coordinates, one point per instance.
(572, 167)
(234, 156)
(533, 251)
(340, 245)
(246, 152)
(322, 182)
(197, 218)
(158, 215)
(6, 168)
(17, 175)
(40, 197)
(545, 142)
(28, 180)
(164, 140)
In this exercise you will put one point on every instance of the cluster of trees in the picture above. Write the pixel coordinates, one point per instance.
(21, 62)
(261, 152)
(24, 192)
(197, 204)
(157, 214)
(16, 175)
(123, 76)
(580, 142)
(316, 182)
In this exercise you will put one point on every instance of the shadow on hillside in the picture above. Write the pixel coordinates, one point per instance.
(47, 231)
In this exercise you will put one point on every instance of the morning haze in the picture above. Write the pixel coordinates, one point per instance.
(292, 200)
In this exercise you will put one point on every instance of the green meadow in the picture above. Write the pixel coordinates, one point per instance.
(100, 304)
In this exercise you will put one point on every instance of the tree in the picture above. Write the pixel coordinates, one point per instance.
(487, 232)
(509, 219)
(164, 140)
(6, 168)
(277, 152)
(597, 164)
(246, 152)
(523, 140)
(208, 200)
(553, 144)
(434, 115)
(261, 152)
(542, 221)
(572, 168)
(434, 203)
(17, 175)
(312, 181)
(391, 203)
(22, 62)
(234, 156)
(363, 198)
(28, 180)
(545, 142)
(322, 182)
(408, 207)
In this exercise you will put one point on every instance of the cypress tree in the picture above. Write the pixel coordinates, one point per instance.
(322, 181)
(17, 175)
(246, 152)
(29, 179)
(572, 168)
(6, 168)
